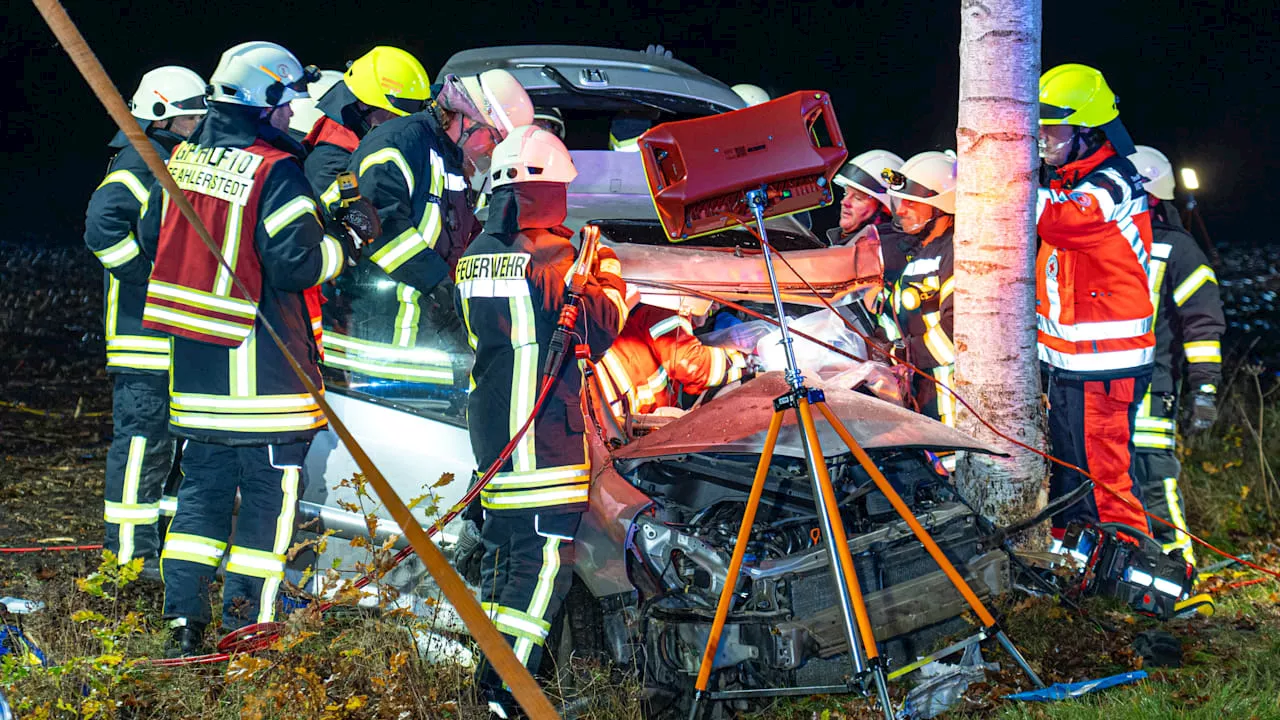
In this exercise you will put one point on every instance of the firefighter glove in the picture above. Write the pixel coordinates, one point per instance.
(361, 217)
(350, 248)
(440, 312)
(1204, 411)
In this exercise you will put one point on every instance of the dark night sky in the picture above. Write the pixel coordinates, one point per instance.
(1196, 79)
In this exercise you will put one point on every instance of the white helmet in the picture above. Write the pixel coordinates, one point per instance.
(167, 92)
(1156, 171)
(531, 154)
(550, 119)
(260, 74)
(494, 98)
(751, 94)
(864, 173)
(305, 112)
(929, 177)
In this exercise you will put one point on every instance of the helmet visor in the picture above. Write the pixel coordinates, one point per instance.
(1055, 113)
(854, 176)
(407, 105)
(196, 102)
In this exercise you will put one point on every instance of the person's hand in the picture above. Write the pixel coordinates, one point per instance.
(439, 308)
(1204, 412)
(658, 51)
(350, 248)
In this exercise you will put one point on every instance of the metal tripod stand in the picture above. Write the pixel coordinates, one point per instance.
(863, 652)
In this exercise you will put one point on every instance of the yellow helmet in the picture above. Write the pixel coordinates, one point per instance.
(389, 78)
(1078, 95)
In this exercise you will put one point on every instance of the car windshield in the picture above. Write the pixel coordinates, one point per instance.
(647, 232)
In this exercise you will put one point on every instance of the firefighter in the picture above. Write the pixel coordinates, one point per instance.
(656, 358)
(1093, 306)
(751, 94)
(865, 199)
(417, 170)
(1189, 326)
(510, 292)
(384, 83)
(921, 305)
(168, 103)
(245, 417)
(305, 112)
(550, 119)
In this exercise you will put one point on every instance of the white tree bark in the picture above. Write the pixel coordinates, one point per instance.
(995, 248)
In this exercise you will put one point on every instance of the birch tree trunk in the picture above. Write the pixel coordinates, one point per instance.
(995, 247)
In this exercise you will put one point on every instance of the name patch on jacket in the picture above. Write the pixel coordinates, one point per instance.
(222, 173)
(495, 275)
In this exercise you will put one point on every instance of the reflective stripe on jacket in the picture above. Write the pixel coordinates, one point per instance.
(111, 232)
(1093, 306)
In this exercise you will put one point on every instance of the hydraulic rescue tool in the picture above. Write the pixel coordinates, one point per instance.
(357, 215)
(697, 193)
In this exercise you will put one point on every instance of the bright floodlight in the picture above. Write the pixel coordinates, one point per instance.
(1189, 179)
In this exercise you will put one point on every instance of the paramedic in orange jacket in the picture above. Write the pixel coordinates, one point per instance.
(1094, 313)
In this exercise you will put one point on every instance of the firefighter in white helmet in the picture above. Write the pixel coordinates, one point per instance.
(751, 94)
(305, 112)
(925, 192)
(510, 293)
(418, 171)
(1189, 325)
(168, 103)
(865, 199)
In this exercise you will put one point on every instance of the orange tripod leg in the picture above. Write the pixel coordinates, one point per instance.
(739, 550)
(921, 534)
(838, 536)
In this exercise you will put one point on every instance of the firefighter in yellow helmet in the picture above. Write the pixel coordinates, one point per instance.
(384, 83)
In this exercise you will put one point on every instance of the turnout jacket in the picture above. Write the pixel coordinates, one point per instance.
(922, 303)
(111, 232)
(230, 384)
(655, 357)
(1093, 305)
(1189, 326)
(412, 173)
(510, 291)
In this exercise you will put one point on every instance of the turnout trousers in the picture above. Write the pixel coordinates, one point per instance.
(525, 575)
(269, 481)
(1157, 475)
(1091, 425)
(141, 479)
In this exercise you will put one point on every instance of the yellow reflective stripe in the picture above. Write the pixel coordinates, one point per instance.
(331, 258)
(113, 306)
(283, 422)
(230, 250)
(400, 250)
(618, 374)
(405, 333)
(140, 343)
(254, 563)
(945, 374)
(546, 497)
(1182, 540)
(390, 371)
(1151, 440)
(287, 213)
(193, 548)
(516, 623)
(620, 303)
(197, 402)
(546, 579)
(948, 288)
(437, 174)
(1154, 423)
(715, 376)
(242, 368)
(1203, 351)
(524, 380)
(130, 513)
(939, 345)
(559, 474)
(130, 181)
(168, 505)
(387, 351)
(390, 155)
(330, 196)
(120, 253)
(429, 228)
(1194, 281)
(611, 266)
(201, 299)
(1155, 282)
(675, 322)
(138, 361)
(195, 323)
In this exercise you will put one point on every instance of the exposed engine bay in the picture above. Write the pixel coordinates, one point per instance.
(675, 517)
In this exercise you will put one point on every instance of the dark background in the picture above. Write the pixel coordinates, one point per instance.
(1196, 80)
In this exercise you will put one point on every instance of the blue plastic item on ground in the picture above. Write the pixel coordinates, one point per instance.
(1066, 691)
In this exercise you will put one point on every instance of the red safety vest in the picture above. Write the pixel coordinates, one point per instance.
(1094, 313)
(328, 130)
(191, 294)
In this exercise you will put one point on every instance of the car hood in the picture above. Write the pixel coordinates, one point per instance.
(737, 422)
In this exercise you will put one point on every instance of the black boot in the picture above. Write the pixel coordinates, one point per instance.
(186, 639)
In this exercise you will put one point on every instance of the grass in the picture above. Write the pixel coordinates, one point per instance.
(366, 665)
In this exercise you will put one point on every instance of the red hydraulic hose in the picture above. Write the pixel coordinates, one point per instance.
(49, 548)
